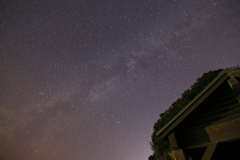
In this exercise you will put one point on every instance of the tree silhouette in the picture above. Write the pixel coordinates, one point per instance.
(160, 146)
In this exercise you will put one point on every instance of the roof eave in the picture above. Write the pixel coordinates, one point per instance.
(222, 76)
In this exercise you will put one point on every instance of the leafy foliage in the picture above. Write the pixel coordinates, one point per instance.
(160, 146)
(151, 158)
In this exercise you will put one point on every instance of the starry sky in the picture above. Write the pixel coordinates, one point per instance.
(87, 79)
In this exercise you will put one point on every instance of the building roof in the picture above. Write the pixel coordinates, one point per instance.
(222, 76)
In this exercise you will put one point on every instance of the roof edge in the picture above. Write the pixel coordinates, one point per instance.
(227, 73)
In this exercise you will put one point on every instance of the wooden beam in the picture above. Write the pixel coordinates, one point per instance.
(235, 73)
(225, 129)
(179, 154)
(172, 140)
(194, 138)
(209, 151)
(235, 85)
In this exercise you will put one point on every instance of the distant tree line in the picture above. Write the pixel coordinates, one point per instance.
(160, 147)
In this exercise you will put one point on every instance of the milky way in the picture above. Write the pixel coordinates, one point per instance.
(86, 79)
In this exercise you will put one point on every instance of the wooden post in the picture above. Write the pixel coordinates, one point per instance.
(209, 151)
(178, 152)
(235, 85)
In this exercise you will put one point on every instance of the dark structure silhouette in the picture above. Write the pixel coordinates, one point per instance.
(208, 127)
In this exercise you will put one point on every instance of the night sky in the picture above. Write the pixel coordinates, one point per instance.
(87, 79)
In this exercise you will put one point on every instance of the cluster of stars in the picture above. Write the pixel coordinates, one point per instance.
(88, 79)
